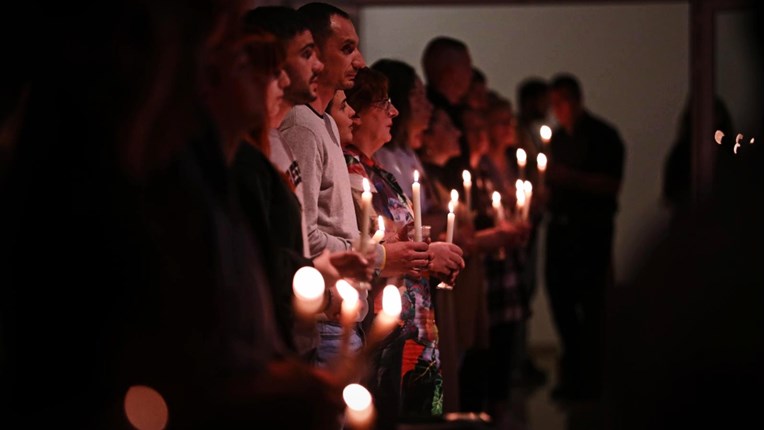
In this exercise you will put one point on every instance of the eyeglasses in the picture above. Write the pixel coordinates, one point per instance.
(385, 104)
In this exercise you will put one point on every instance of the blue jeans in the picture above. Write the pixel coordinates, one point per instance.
(331, 334)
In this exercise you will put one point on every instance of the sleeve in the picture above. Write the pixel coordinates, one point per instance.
(307, 148)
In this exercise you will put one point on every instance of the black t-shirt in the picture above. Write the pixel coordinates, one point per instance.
(594, 147)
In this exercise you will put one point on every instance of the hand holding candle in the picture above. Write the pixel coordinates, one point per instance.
(417, 208)
(467, 184)
(520, 155)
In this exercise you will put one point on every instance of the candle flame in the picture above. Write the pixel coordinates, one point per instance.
(541, 162)
(751, 141)
(735, 147)
(527, 187)
(308, 283)
(380, 223)
(391, 301)
(520, 196)
(416, 176)
(520, 154)
(495, 197)
(466, 176)
(739, 137)
(719, 136)
(455, 196)
(451, 207)
(357, 397)
(545, 132)
(518, 184)
(365, 184)
(346, 291)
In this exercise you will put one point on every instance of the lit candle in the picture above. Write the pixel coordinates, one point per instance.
(499, 211)
(387, 318)
(520, 155)
(359, 413)
(308, 286)
(545, 133)
(455, 199)
(416, 203)
(541, 167)
(450, 223)
(466, 183)
(380, 233)
(349, 310)
(527, 199)
(520, 202)
(366, 205)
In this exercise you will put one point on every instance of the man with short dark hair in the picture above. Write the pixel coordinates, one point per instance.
(584, 177)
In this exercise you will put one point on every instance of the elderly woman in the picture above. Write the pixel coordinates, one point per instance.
(412, 358)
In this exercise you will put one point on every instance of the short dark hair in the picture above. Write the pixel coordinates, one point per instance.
(568, 83)
(531, 89)
(282, 22)
(401, 79)
(432, 57)
(369, 86)
(317, 16)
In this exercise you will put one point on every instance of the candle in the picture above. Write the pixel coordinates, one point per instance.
(527, 199)
(349, 310)
(466, 184)
(366, 205)
(520, 202)
(545, 133)
(387, 318)
(496, 202)
(359, 412)
(416, 202)
(308, 286)
(520, 155)
(380, 233)
(455, 198)
(541, 167)
(450, 224)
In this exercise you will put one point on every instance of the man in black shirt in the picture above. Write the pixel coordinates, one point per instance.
(584, 177)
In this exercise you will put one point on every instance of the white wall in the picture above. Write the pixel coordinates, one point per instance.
(632, 61)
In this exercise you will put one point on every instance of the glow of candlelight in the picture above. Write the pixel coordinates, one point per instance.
(360, 411)
(391, 301)
(455, 197)
(518, 184)
(308, 286)
(145, 408)
(416, 176)
(380, 233)
(738, 138)
(466, 177)
(365, 184)
(735, 147)
(541, 162)
(520, 154)
(719, 136)
(527, 187)
(496, 199)
(545, 133)
(751, 141)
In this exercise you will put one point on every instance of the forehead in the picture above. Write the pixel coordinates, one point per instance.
(342, 30)
(300, 40)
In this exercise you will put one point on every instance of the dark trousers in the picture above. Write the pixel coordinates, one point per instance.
(503, 345)
(578, 271)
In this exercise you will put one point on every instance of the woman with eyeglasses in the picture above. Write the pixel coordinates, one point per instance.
(408, 377)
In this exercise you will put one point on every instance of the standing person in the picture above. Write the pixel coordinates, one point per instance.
(448, 70)
(412, 360)
(584, 177)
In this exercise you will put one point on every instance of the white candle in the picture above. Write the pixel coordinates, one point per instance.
(366, 205)
(499, 211)
(520, 202)
(417, 210)
(386, 319)
(520, 155)
(455, 199)
(308, 286)
(545, 133)
(541, 167)
(359, 412)
(466, 183)
(450, 224)
(527, 199)
(380, 233)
